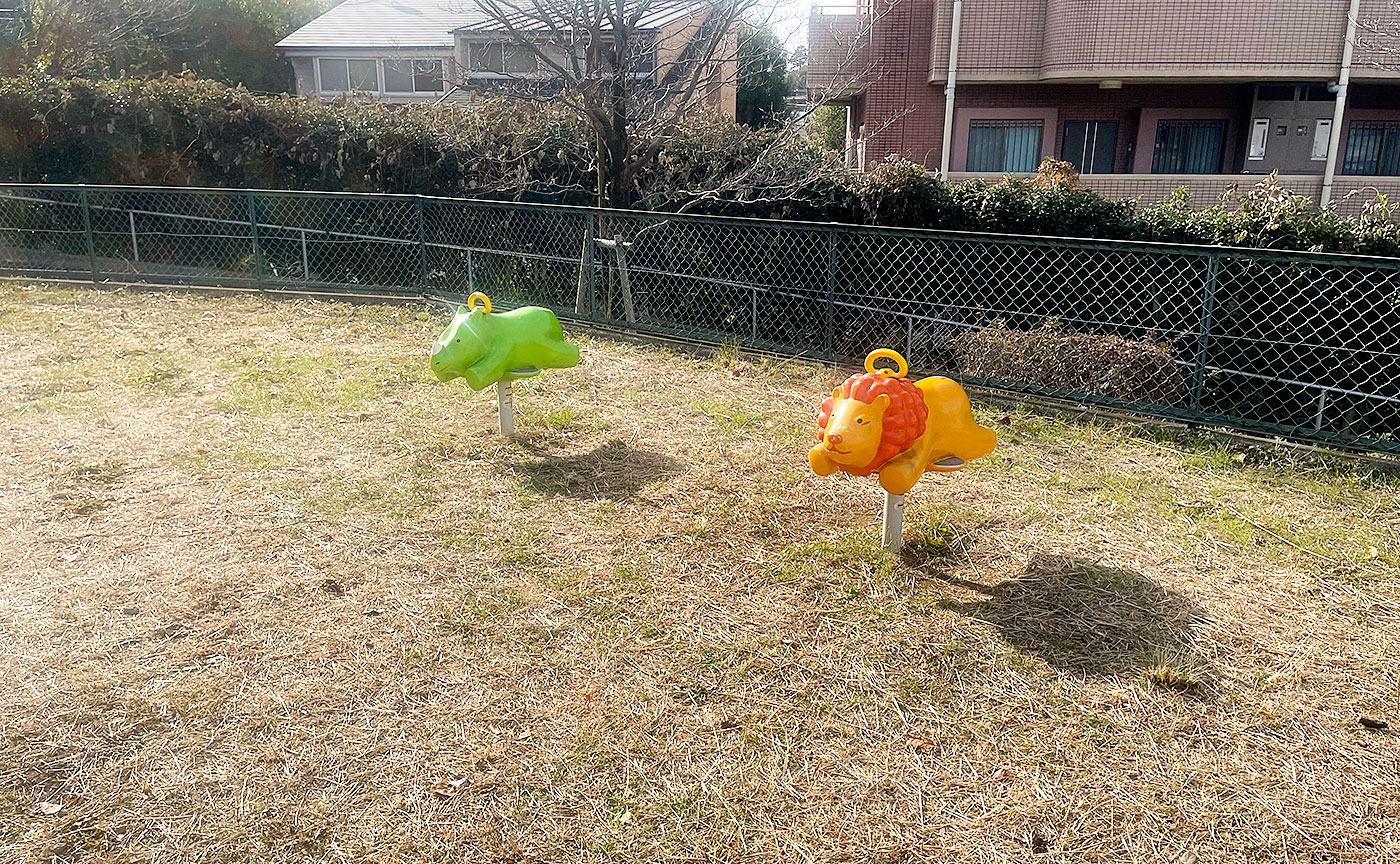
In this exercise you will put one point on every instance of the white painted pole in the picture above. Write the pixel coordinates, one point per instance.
(135, 252)
(1334, 142)
(505, 407)
(892, 527)
(949, 92)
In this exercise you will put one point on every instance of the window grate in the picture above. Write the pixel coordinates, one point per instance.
(1373, 149)
(1004, 145)
(1189, 147)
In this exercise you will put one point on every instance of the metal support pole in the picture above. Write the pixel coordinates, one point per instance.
(830, 294)
(1321, 406)
(422, 252)
(1339, 107)
(135, 250)
(1198, 379)
(593, 266)
(505, 408)
(87, 234)
(753, 313)
(949, 94)
(257, 246)
(305, 261)
(892, 525)
(471, 276)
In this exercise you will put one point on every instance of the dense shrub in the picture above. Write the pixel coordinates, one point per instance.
(185, 131)
(1055, 359)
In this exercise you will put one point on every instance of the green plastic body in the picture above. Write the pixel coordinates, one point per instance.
(483, 348)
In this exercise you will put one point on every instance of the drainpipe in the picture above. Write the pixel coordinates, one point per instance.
(952, 88)
(1334, 142)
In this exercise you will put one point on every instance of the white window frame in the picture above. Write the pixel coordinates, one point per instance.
(1259, 133)
(384, 81)
(1322, 135)
(543, 71)
(473, 72)
(378, 75)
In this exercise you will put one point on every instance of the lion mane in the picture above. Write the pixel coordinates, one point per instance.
(903, 421)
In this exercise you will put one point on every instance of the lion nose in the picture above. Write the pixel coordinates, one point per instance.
(833, 439)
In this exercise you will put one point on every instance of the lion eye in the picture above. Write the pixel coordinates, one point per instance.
(860, 419)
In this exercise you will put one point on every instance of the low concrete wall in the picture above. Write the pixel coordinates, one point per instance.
(1349, 193)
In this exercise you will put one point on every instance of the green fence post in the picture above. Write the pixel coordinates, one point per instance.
(87, 234)
(831, 294)
(422, 251)
(257, 246)
(1198, 379)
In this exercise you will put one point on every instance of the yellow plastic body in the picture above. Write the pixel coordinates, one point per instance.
(854, 430)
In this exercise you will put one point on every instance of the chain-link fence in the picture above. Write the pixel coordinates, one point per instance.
(1305, 346)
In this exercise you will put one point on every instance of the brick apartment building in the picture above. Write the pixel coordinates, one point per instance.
(1142, 97)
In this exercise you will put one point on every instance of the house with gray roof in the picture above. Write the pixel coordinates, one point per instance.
(452, 51)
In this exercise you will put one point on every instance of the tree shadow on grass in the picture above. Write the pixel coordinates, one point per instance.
(1080, 616)
(614, 470)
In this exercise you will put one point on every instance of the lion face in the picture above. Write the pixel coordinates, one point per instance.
(852, 435)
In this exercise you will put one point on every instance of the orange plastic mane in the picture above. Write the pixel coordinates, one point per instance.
(902, 423)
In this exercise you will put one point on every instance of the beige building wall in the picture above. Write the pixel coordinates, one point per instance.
(721, 86)
(1044, 40)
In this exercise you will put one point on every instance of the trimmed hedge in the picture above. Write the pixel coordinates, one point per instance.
(185, 131)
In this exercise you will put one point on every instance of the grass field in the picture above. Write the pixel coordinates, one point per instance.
(264, 583)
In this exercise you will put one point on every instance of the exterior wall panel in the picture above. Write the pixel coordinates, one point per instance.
(1037, 40)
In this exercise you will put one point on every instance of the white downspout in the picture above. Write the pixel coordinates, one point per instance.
(1334, 142)
(951, 89)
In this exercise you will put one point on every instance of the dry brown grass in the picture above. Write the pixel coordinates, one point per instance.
(265, 583)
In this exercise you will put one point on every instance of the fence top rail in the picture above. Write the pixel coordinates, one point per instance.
(1048, 241)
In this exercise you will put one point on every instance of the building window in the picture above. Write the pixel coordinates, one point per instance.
(1189, 147)
(427, 76)
(488, 57)
(1276, 93)
(520, 60)
(412, 76)
(641, 59)
(1003, 145)
(339, 75)
(1090, 145)
(1373, 149)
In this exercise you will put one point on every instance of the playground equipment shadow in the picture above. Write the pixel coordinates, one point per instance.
(610, 471)
(266, 585)
(1080, 616)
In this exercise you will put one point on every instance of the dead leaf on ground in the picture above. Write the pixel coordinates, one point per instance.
(448, 788)
(920, 743)
(49, 808)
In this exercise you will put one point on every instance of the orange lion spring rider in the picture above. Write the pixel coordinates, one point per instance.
(881, 422)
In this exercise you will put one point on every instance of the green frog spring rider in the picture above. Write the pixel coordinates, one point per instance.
(486, 348)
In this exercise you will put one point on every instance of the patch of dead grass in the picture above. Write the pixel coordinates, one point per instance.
(319, 583)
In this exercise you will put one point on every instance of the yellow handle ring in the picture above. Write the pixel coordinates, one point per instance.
(485, 303)
(886, 354)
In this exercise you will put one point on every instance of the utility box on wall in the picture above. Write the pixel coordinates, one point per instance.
(1290, 128)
